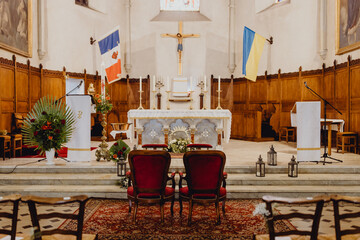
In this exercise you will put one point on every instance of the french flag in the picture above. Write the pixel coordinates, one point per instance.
(111, 55)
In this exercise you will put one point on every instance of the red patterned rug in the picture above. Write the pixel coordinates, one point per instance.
(110, 220)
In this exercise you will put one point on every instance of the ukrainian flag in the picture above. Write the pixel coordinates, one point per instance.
(253, 45)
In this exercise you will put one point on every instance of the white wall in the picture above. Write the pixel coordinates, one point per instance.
(68, 29)
(295, 29)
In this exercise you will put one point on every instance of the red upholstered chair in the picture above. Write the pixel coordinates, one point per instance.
(155, 146)
(193, 146)
(149, 175)
(204, 175)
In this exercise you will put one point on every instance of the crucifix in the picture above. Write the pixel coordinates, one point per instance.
(179, 36)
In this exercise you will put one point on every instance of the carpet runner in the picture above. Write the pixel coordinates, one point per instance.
(110, 219)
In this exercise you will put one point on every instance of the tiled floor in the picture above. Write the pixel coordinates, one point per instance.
(24, 225)
(326, 225)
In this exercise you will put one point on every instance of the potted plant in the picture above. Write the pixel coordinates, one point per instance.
(48, 126)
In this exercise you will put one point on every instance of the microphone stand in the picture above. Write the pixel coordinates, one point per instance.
(325, 155)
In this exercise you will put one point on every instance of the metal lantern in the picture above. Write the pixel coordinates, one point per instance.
(293, 167)
(272, 157)
(260, 167)
(121, 166)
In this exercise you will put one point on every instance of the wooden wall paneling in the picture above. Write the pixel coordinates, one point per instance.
(35, 91)
(340, 96)
(258, 92)
(53, 83)
(314, 82)
(7, 92)
(41, 80)
(29, 85)
(133, 93)
(348, 127)
(22, 92)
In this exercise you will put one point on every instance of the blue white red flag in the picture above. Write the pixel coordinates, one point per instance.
(111, 55)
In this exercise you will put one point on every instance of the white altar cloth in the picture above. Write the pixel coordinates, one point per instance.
(224, 115)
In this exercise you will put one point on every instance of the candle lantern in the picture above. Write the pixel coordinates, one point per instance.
(293, 167)
(121, 166)
(272, 156)
(260, 167)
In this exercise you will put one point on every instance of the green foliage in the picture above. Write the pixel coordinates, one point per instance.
(117, 149)
(103, 104)
(49, 125)
(178, 145)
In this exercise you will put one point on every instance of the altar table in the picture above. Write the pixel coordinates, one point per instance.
(161, 126)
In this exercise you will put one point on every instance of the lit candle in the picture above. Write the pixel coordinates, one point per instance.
(140, 84)
(190, 83)
(168, 83)
(204, 83)
(219, 80)
(154, 80)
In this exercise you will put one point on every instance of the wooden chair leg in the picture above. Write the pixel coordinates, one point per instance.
(190, 211)
(129, 206)
(162, 212)
(172, 206)
(135, 211)
(217, 212)
(180, 203)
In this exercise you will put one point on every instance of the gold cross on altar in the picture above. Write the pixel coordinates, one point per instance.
(180, 37)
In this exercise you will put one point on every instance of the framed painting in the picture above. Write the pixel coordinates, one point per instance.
(348, 26)
(16, 26)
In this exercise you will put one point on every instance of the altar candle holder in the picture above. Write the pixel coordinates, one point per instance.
(158, 84)
(202, 94)
(191, 100)
(140, 106)
(218, 106)
(168, 100)
(154, 102)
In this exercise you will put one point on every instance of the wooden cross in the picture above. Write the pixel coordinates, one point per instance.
(180, 37)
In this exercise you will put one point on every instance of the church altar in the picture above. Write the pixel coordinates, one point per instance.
(162, 126)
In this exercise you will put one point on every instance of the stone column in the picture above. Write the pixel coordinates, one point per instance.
(127, 56)
(323, 28)
(41, 29)
(232, 64)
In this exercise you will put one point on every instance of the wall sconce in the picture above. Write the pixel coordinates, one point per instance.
(260, 167)
(293, 167)
(121, 166)
(272, 156)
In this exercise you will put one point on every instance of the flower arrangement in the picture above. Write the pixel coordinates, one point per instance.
(102, 102)
(49, 125)
(178, 145)
(117, 149)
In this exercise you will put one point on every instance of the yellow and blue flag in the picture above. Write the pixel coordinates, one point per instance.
(253, 45)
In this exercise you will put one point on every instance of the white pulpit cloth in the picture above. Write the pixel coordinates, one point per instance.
(307, 120)
(79, 144)
(224, 114)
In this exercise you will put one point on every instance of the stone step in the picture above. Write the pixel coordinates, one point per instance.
(111, 168)
(233, 179)
(302, 179)
(244, 191)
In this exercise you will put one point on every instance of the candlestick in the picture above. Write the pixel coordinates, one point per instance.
(204, 83)
(140, 84)
(219, 107)
(140, 105)
(154, 80)
(204, 103)
(219, 80)
(154, 102)
(168, 84)
(191, 100)
(168, 100)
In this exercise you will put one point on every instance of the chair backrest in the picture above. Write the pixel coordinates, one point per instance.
(14, 199)
(149, 171)
(336, 199)
(32, 202)
(315, 217)
(204, 171)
